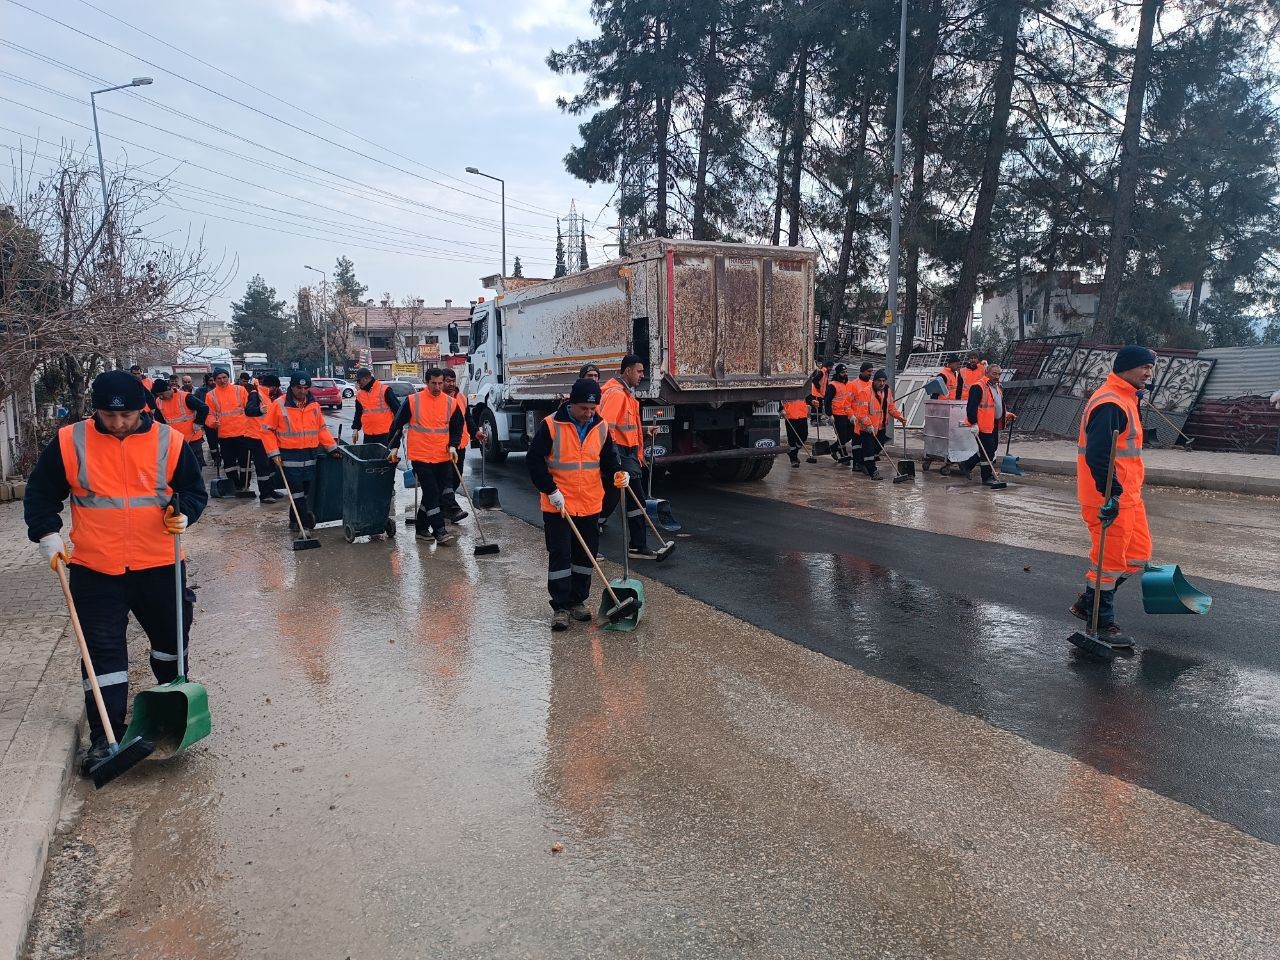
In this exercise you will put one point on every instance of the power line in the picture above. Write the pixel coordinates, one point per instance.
(246, 106)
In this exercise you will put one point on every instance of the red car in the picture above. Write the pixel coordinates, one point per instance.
(328, 392)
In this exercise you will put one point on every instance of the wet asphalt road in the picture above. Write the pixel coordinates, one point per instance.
(981, 627)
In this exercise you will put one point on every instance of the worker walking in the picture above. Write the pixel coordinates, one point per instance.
(796, 415)
(985, 414)
(945, 384)
(182, 411)
(226, 402)
(818, 387)
(295, 434)
(261, 396)
(621, 410)
(121, 470)
(838, 404)
(572, 461)
(376, 406)
(972, 373)
(1114, 407)
(469, 427)
(873, 421)
(431, 420)
(210, 434)
(863, 448)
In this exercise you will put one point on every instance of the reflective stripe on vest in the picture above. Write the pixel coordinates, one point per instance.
(283, 426)
(179, 416)
(625, 430)
(987, 408)
(575, 466)
(375, 415)
(1130, 472)
(427, 443)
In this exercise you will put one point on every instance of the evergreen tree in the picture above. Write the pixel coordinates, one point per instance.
(345, 285)
(582, 247)
(258, 322)
(561, 268)
(517, 268)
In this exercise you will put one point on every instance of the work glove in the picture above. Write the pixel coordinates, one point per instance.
(453, 454)
(175, 522)
(1108, 512)
(973, 428)
(355, 436)
(277, 461)
(557, 499)
(53, 549)
(621, 480)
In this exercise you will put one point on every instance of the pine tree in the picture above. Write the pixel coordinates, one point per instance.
(517, 269)
(258, 322)
(582, 246)
(346, 286)
(561, 269)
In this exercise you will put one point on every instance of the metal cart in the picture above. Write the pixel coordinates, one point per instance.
(946, 439)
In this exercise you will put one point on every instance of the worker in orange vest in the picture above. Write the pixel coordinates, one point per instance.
(261, 396)
(121, 470)
(431, 421)
(972, 373)
(862, 448)
(295, 434)
(1114, 406)
(946, 383)
(795, 413)
(872, 415)
(838, 404)
(226, 402)
(572, 460)
(818, 386)
(182, 411)
(621, 410)
(376, 406)
(469, 427)
(985, 414)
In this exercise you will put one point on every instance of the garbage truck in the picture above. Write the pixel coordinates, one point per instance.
(725, 331)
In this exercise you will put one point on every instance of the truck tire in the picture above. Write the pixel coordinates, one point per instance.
(492, 452)
(731, 471)
(760, 468)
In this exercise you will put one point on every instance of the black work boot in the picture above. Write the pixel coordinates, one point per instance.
(560, 620)
(99, 749)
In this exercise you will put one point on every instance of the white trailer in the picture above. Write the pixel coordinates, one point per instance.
(725, 332)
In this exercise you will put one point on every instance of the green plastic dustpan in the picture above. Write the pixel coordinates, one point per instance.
(1166, 590)
(172, 715)
(627, 588)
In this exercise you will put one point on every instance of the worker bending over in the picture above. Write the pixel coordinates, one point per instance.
(376, 406)
(1114, 406)
(121, 470)
(572, 461)
(946, 382)
(985, 415)
(431, 421)
(184, 412)
(295, 434)
(621, 410)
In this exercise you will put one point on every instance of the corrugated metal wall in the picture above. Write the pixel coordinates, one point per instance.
(1242, 372)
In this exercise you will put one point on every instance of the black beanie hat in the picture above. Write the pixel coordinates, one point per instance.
(1132, 356)
(268, 380)
(299, 380)
(951, 358)
(880, 375)
(159, 385)
(585, 390)
(118, 390)
(866, 365)
(363, 372)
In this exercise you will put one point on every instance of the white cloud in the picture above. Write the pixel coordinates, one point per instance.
(536, 14)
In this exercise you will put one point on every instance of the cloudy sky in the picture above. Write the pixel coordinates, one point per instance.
(355, 122)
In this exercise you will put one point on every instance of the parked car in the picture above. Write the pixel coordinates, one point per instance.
(346, 386)
(404, 388)
(327, 392)
(417, 382)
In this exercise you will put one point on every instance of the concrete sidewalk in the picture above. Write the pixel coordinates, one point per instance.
(1247, 473)
(41, 706)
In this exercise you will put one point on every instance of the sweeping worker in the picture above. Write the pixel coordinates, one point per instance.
(985, 414)
(295, 434)
(621, 410)
(838, 404)
(873, 422)
(863, 447)
(432, 422)
(572, 461)
(121, 469)
(261, 396)
(1114, 406)
(796, 414)
(376, 406)
(469, 427)
(180, 410)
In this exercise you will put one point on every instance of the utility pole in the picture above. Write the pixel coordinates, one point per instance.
(503, 183)
(895, 222)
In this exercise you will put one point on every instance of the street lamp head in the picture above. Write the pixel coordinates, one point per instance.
(472, 170)
(140, 81)
(307, 266)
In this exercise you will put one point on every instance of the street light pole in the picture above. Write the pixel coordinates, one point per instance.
(97, 137)
(324, 323)
(895, 222)
(503, 184)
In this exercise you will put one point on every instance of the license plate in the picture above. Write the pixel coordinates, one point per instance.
(767, 408)
(654, 414)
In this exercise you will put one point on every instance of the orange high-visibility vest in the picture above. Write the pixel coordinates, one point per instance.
(257, 425)
(178, 415)
(575, 467)
(226, 410)
(620, 408)
(842, 401)
(796, 409)
(1130, 470)
(860, 406)
(952, 381)
(375, 415)
(461, 399)
(972, 378)
(428, 427)
(289, 427)
(819, 391)
(987, 406)
(876, 408)
(119, 489)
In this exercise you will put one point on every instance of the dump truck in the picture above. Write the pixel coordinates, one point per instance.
(725, 330)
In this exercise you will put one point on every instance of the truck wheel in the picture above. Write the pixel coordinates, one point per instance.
(731, 471)
(493, 452)
(760, 468)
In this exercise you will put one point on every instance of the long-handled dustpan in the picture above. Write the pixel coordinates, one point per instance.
(306, 541)
(626, 589)
(411, 483)
(220, 487)
(485, 495)
(659, 510)
(1090, 643)
(821, 448)
(902, 471)
(173, 715)
(621, 607)
(668, 546)
(485, 548)
(1009, 463)
(246, 493)
(1166, 590)
(129, 751)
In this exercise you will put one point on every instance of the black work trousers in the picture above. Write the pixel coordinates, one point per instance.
(867, 451)
(197, 450)
(435, 489)
(990, 442)
(237, 453)
(382, 438)
(103, 604)
(568, 568)
(215, 452)
(629, 458)
(797, 434)
(844, 435)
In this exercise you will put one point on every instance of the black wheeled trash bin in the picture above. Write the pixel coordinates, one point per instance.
(326, 490)
(368, 488)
